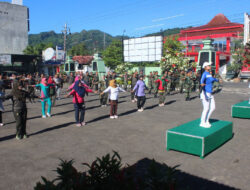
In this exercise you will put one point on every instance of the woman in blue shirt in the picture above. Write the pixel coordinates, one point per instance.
(206, 95)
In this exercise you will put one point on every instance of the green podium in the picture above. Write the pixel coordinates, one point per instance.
(241, 110)
(193, 139)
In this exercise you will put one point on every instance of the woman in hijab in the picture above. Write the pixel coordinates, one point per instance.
(52, 90)
(45, 96)
(113, 91)
(78, 93)
(19, 96)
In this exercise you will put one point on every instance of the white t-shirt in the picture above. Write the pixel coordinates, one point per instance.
(114, 92)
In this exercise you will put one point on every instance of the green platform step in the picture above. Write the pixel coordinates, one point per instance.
(193, 139)
(241, 110)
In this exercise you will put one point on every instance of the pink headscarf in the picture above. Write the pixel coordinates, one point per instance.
(76, 79)
(43, 81)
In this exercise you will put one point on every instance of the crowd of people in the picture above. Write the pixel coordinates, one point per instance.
(48, 90)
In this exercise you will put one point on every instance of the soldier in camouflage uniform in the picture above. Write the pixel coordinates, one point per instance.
(87, 78)
(169, 84)
(91, 76)
(216, 85)
(193, 79)
(182, 81)
(95, 81)
(150, 82)
(125, 80)
(155, 85)
(133, 83)
(188, 84)
(103, 97)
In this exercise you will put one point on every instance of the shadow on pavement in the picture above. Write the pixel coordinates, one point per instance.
(183, 180)
(52, 128)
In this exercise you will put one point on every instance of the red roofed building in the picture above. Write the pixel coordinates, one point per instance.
(220, 29)
(84, 60)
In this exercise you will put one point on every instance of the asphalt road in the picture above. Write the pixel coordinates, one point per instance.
(134, 135)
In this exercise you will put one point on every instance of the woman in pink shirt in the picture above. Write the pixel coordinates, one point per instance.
(78, 93)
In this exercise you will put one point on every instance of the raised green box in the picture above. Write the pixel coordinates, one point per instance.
(241, 110)
(193, 139)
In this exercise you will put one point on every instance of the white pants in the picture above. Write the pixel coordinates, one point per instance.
(208, 106)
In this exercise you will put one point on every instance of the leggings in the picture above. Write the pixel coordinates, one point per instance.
(44, 101)
(140, 101)
(208, 107)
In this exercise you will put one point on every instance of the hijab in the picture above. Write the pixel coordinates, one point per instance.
(112, 83)
(43, 81)
(79, 89)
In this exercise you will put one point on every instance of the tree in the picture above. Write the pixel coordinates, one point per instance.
(37, 49)
(79, 49)
(173, 58)
(112, 55)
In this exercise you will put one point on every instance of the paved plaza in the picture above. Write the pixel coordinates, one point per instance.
(134, 135)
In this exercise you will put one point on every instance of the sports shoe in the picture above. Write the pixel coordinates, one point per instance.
(205, 125)
(112, 117)
(140, 110)
(83, 123)
(78, 125)
(161, 105)
(48, 115)
(25, 136)
(44, 116)
(133, 101)
(1, 124)
(116, 116)
(18, 137)
(208, 124)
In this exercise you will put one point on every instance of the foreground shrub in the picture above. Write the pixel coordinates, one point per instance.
(107, 173)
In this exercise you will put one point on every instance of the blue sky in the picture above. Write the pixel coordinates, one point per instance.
(137, 17)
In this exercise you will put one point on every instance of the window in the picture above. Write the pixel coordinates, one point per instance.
(66, 67)
(94, 66)
(72, 67)
(204, 56)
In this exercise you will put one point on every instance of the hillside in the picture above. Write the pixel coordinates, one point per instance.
(92, 38)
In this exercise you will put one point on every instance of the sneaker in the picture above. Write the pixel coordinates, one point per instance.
(48, 115)
(44, 116)
(83, 123)
(78, 125)
(133, 101)
(208, 124)
(116, 116)
(161, 105)
(1, 124)
(25, 136)
(205, 125)
(140, 110)
(112, 117)
(18, 137)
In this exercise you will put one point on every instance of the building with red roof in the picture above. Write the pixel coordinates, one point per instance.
(221, 30)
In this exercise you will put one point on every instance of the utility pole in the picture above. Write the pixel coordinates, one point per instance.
(104, 40)
(65, 32)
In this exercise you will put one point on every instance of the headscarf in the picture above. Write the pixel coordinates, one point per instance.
(79, 89)
(112, 83)
(17, 93)
(43, 81)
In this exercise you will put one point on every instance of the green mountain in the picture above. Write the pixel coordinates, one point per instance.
(93, 39)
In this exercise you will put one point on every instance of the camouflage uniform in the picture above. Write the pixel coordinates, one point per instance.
(103, 97)
(188, 85)
(150, 83)
(181, 82)
(155, 85)
(216, 85)
(169, 85)
(95, 82)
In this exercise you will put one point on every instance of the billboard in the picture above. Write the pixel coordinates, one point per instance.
(146, 49)
(5, 59)
(246, 28)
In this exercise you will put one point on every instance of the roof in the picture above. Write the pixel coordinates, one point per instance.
(220, 24)
(85, 60)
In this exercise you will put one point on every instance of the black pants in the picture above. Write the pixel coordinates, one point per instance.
(79, 112)
(21, 119)
(113, 107)
(141, 101)
(1, 118)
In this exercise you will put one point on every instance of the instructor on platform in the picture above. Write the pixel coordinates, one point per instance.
(206, 95)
